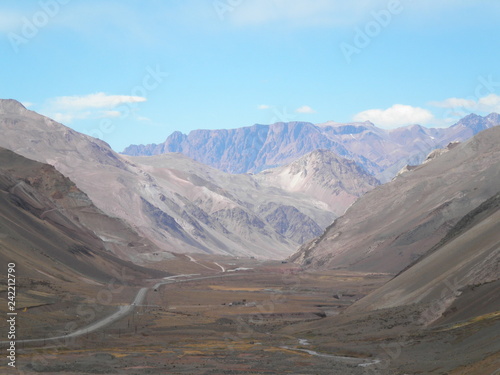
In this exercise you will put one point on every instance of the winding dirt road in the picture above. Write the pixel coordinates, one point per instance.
(120, 313)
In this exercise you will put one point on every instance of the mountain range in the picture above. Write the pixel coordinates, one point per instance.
(381, 152)
(417, 257)
(181, 205)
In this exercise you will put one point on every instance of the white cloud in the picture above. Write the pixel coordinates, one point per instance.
(62, 118)
(395, 116)
(99, 100)
(264, 106)
(142, 118)
(490, 103)
(66, 109)
(66, 118)
(486, 104)
(305, 109)
(27, 104)
(454, 103)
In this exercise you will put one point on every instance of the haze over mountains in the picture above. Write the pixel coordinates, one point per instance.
(253, 149)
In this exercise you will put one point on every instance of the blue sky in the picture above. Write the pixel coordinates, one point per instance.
(135, 71)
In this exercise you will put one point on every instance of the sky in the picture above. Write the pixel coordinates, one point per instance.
(132, 72)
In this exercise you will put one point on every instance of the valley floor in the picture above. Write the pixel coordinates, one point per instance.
(243, 316)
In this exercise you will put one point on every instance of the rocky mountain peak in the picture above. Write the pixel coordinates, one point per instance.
(11, 106)
(322, 175)
(471, 125)
(317, 159)
(477, 123)
(347, 128)
(494, 118)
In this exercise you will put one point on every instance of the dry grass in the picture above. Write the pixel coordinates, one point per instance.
(477, 319)
(234, 289)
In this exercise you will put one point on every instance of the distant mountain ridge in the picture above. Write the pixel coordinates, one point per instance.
(253, 149)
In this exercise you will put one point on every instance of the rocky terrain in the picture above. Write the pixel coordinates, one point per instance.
(52, 228)
(234, 207)
(184, 206)
(323, 175)
(53, 234)
(252, 149)
(439, 315)
(465, 262)
(404, 282)
(270, 318)
(393, 225)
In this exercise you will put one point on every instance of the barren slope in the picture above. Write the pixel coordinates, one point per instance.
(323, 175)
(182, 207)
(391, 226)
(469, 256)
(47, 227)
(438, 316)
(235, 207)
